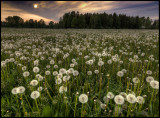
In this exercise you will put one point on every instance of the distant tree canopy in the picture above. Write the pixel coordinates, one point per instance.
(88, 20)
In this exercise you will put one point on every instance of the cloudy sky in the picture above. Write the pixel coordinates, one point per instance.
(53, 10)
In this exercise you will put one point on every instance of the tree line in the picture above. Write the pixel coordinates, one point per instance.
(88, 20)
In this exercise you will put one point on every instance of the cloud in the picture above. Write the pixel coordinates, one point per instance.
(55, 9)
(8, 10)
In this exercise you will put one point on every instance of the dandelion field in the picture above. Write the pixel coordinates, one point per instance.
(71, 73)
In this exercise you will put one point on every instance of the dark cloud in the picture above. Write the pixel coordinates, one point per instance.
(55, 9)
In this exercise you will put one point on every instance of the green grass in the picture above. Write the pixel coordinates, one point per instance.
(103, 45)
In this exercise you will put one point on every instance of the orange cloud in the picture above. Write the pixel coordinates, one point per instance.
(7, 10)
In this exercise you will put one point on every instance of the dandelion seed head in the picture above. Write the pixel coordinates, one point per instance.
(34, 83)
(120, 73)
(119, 99)
(154, 84)
(149, 79)
(26, 74)
(14, 91)
(131, 98)
(35, 69)
(83, 98)
(58, 81)
(135, 80)
(62, 89)
(140, 99)
(20, 89)
(35, 94)
(110, 95)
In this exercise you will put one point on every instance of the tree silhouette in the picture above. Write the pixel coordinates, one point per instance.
(88, 20)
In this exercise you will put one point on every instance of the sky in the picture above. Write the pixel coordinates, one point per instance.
(53, 10)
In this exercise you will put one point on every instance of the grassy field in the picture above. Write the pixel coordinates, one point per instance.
(107, 73)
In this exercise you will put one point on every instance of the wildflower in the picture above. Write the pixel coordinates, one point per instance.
(89, 73)
(124, 70)
(124, 95)
(149, 72)
(62, 89)
(20, 89)
(59, 75)
(35, 69)
(131, 98)
(109, 61)
(75, 73)
(77, 93)
(106, 99)
(110, 95)
(51, 62)
(39, 88)
(14, 91)
(120, 73)
(140, 99)
(48, 66)
(47, 72)
(38, 75)
(55, 73)
(96, 71)
(34, 82)
(71, 65)
(36, 62)
(58, 81)
(103, 106)
(135, 80)
(83, 98)
(3, 64)
(71, 70)
(119, 99)
(35, 94)
(149, 79)
(154, 84)
(26, 74)
(66, 78)
(40, 78)
(55, 66)
(23, 68)
(62, 71)
(100, 63)
(25, 113)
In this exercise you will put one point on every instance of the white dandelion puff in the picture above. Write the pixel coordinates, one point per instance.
(62, 89)
(119, 99)
(14, 91)
(58, 81)
(39, 88)
(35, 69)
(34, 83)
(35, 94)
(131, 98)
(110, 95)
(26, 74)
(135, 80)
(47, 72)
(154, 84)
(83, 98)
(140, 99)
(120, 73)
(149, 79)
(20, 89)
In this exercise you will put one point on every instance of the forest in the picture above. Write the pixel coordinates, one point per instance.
(85, 21)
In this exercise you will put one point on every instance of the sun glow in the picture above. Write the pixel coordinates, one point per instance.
(35, 5)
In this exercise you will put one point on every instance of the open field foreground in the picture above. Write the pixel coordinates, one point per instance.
(92, 73)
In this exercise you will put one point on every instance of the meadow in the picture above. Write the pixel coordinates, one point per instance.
(79, 72)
